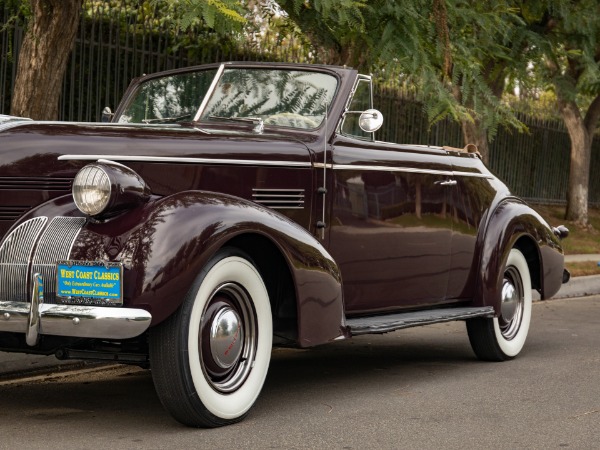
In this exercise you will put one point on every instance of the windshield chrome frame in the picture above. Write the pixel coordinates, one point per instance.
(210, 92)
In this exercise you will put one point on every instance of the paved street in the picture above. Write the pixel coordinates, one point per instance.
(419, 388)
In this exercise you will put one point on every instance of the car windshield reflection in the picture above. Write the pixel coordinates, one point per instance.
(286, 98)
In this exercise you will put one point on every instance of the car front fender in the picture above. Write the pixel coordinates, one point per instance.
(165, 244)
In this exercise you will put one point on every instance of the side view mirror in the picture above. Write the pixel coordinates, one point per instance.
(370, 120)
(107, 115)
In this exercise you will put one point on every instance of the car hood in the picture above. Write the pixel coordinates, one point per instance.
(33, 148)
(39, 160)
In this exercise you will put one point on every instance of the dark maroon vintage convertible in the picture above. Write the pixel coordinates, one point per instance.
(225, 209)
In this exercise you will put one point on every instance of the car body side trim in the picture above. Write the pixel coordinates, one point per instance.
(361, 167)
(175, 159)
(253, 162)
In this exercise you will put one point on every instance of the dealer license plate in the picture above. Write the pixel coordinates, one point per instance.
(89, 282)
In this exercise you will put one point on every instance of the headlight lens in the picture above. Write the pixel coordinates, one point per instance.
(91, 190)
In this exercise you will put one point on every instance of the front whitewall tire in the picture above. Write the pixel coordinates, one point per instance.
(210, 359)
(235, 404)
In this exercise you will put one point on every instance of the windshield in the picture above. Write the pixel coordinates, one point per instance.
(281, 97)
(170, 99)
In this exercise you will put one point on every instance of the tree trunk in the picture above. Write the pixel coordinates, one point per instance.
(473, 133)
(579, 173)
(43, 58)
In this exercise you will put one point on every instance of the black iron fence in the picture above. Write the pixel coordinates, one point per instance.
(116, 46)
(535, 164)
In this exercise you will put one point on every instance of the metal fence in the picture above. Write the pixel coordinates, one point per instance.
(113, 48)
(534, 164)
(115, 45)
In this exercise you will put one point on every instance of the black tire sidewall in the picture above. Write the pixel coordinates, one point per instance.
(191, 393)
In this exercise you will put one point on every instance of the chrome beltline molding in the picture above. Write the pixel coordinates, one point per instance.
(177, 159)
(254, 162)
(448, 173)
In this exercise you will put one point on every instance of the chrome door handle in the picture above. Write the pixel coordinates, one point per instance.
(446, 183)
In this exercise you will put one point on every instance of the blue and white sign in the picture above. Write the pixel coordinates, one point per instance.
(87, 280)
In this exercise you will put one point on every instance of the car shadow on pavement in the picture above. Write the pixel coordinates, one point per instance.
(101, 400)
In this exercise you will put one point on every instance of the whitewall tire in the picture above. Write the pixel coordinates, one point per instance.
(503, 337)
(209, 360)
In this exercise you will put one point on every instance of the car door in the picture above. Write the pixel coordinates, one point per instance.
(391, 224)
(391, 220)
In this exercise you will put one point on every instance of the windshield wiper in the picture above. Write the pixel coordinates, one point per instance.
(258, 123)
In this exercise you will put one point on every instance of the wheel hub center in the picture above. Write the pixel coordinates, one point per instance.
(510, 300)
(226, 337)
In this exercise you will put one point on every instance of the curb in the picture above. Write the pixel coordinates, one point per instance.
(577, 287)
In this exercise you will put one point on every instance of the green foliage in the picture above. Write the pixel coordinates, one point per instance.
(20, 11)
(567, 40)
(457, 53)
(224, 16)
(345, 14)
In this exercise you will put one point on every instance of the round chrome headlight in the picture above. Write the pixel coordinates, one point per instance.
(91, 190)
(106, 188)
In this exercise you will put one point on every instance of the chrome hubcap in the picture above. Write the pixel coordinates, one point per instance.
(510, 300)
(225, 337)
(228, 338)
(512, 303)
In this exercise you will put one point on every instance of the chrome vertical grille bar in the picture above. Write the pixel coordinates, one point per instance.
(15, 255)
(55, 244)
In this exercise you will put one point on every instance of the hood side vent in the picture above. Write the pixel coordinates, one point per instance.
(12, 213)
(279, 198)
(35, 184)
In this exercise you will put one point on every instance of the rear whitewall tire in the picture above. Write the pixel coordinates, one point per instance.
(511, 346)
(503, 337)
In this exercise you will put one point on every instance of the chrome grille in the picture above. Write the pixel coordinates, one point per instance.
(279, 198)
(55, 244)
(15, 255)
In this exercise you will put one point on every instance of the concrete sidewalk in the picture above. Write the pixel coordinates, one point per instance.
(17, 365)
(583, 258)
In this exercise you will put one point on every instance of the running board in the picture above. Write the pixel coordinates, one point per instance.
(392, 322)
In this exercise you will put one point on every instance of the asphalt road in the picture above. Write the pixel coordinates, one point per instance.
(418, 388)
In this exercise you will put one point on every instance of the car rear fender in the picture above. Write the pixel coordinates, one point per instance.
(514, 224)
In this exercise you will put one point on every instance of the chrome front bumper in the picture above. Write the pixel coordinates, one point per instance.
(36, 318)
